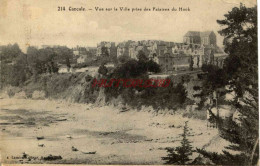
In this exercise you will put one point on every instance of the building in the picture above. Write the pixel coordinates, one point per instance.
(77, 51)
(201, 38)
(175, 62)
(178, 56)
(208, 56)
(134, 50)
(82, 54)
(198, 48)
(219, 57)
(51, 46)
(82, 59)
(123, 48)
(106, 49)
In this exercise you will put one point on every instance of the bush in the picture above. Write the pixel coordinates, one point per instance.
(20, 95)
(11, 90)
(172, 97)
(38, 95)
(201, 115)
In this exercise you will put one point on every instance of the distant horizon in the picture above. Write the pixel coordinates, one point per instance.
(95, 46)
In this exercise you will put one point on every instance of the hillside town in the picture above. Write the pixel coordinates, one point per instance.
(197, 47)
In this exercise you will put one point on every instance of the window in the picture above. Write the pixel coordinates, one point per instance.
(161, 52)
(206, 40)
(214, 103)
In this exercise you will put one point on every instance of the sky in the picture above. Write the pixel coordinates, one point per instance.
(38, 22)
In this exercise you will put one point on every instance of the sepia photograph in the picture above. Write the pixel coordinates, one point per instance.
(129, 82)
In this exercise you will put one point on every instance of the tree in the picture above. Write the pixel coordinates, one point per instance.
(42, 60)
(141, 56)
(14, 75)
(10, 52)
(153, 66)
(102, 70)
(180, 92)
(214, 79)
(46, 60)
(123, 58)
(180, 155)
(32, 54)
(14, 70)
(64, 55)
(240, 39)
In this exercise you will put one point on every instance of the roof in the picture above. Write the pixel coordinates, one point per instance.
(206, 33)
(169, 55)
(220, 55)
(192, 33)
(219, 50)
(197, 33)
(139, 47)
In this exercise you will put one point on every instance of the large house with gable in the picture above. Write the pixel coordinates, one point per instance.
(201, 38)
(197, 48)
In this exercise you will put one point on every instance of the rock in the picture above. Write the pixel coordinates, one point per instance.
(24, 155)
(161, 148)
(41, 145)
(51, 157)
(60, 119)
(124, 109)
(84, 152)
(39, 138)
(200, 160)
(74, 149)
(69, 136)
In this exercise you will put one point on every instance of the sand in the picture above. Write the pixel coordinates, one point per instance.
(113, 137)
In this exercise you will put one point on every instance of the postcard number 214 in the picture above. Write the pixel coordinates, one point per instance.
(61, 8)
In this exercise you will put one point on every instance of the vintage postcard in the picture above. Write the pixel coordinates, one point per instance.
(129, 82)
